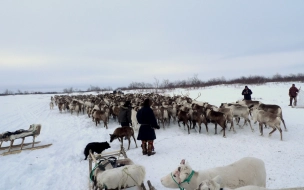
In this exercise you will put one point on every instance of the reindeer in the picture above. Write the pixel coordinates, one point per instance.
(100, 115)
(172, 112)
(114, 110)
(121, 132)
(217, 118)
(184, 116)
(162, 115)
(51, 105)
(199, 118)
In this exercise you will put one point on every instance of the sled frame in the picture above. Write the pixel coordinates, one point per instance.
(34, 135)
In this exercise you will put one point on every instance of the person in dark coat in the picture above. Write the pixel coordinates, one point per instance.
(124, 116)
(148, 124)
(293, 92)
(247, 93)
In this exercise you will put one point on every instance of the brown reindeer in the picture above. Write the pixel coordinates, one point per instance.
(199, 118)
(100, 115)
(121, 132)
(217, 118)
(184, 116)
(115, 111)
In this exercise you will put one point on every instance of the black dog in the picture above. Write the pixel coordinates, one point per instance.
(97, 147)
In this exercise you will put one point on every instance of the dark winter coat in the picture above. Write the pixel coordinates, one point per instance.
(146, 118)
(293, 91)
(247, 94)
(124, 116)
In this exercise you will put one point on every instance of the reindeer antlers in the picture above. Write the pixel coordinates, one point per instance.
(199, 94)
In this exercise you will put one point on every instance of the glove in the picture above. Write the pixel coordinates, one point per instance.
(157, 127)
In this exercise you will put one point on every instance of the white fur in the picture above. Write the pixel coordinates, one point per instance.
(246, 171)
(88, 104)
(166, 116)
(51, 105)
(126, 176)
(240, 111)
(135, 124)
(214, 184)
(268, 119)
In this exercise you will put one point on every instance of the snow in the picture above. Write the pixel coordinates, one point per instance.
(61, 166)
(300, 99)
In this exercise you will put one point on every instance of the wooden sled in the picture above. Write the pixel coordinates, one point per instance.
(33, 131)
(121, 160)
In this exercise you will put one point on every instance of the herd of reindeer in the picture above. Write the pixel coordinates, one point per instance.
(178, 108)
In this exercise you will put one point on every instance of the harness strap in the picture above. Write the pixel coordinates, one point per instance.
(188, 179)
(100, 166)
(125, 170)
(179, 186)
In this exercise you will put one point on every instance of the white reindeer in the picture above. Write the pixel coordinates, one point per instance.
(246, 171)
(51, 105)
(121, 177)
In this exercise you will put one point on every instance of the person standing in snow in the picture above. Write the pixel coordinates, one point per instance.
(247, 93)
(124, 116)
(293, 92)
(146, 118)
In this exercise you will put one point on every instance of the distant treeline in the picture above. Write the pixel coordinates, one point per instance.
(192, 82)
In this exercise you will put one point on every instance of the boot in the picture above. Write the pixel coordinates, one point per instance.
(150, 148)
(144, 147)
(290, 102)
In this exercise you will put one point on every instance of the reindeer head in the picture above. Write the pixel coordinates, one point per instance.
(177, 176)
(113, 137)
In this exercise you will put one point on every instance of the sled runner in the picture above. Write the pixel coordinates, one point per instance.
(33, 131)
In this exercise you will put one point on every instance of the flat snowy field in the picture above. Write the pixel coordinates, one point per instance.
(61, 166)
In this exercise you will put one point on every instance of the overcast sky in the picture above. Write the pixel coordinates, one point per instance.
(52, 45)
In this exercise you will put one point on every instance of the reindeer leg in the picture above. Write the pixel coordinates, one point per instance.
(121, 141)
(232, 125)
(188, 128)
(134, 140)
(206, 124)
(283, 123)
(261, 129)
(129, 142)
(199, 127)
(224, 134)
(274, 129)
(280, 132)
(105, 124)
(194, 123)
(223, 125)
(250, 125)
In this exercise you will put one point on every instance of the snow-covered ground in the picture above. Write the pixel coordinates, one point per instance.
(61, 166)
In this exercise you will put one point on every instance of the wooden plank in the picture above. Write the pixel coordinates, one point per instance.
(18, 145)
(37, 147)
(151, 187)
(18, 151)
(11, 152)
